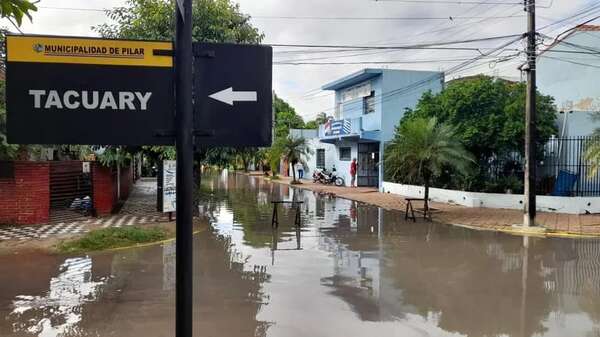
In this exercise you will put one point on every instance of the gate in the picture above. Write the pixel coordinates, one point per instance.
(70, 190)
(368, 160)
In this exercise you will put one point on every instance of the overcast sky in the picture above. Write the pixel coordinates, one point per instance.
(298, 84)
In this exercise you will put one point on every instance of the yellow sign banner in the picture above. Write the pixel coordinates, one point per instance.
(51, 49)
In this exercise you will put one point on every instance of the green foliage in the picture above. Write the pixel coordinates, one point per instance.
(592, 155)
(221, 157)
(248, 155)
(74, 152)
(314, 124)
(489, 118)
(160, 152)
(293, 150)
(273, 157)
(285, 118)
(213, 21)
(113, 156)
(108, 238)
(421, 149)
(16, 9)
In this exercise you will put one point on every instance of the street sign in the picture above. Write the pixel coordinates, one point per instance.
(232, 94)
(63, 90)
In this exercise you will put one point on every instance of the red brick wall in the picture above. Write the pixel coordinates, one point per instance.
(32, 189)
(104, 189)
(8, 202)
(25, 199)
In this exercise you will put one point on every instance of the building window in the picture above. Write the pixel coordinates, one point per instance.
(369, 103)
(339, 109)
(345, 153)
(320, 158)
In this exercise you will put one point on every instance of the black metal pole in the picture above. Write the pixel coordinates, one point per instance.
(530, 130)
(185, 152)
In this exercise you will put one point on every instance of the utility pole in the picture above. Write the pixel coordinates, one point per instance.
(530, 125)
(185, 181)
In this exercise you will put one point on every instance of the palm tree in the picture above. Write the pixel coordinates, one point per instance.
(421, 149)
(592, 154)
(293, 150)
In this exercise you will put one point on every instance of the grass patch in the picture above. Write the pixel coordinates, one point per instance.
(107, 238)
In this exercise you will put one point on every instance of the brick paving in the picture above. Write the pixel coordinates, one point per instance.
(139, 209)
(483, 218)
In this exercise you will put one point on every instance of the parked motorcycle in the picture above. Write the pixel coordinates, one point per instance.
(327, 178)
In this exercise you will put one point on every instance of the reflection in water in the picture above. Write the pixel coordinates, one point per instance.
(349, 270)
(59, 311)
(410, 279)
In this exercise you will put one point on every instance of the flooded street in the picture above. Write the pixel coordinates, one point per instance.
(349, 270)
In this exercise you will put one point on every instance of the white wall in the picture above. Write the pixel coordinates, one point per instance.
(330, 156)
(343, 167)
(571, 205)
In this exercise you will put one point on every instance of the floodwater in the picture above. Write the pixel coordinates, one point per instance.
(349, 270)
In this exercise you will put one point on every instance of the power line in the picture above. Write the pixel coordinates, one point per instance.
(585, 11)
(370, 62)
(417, 46)
(436, 29)
(412, 18)
(320, 18)
(460, 67)
(458, 2)
(450, 2)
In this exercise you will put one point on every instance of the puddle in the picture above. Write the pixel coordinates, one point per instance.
(349, 270)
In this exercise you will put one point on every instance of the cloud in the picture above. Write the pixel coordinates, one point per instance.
(294, 82)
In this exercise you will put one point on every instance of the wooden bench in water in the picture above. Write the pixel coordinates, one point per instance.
(275, 219)
(412, 210)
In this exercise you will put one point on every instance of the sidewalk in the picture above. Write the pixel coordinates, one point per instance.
(139, 209)
(555, 224)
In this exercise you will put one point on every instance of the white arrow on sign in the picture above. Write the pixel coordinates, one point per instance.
(229, 96)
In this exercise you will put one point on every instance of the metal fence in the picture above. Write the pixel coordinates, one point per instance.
(565, 171)
(562, 168)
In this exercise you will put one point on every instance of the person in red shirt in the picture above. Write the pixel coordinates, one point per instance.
(353, 167)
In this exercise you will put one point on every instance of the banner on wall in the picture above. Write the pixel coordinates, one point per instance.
(169, 185)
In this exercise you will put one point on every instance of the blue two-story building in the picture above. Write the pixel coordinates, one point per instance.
(368, 106)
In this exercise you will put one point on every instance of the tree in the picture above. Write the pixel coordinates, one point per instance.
(16, 9)
(286, 118)
(248, 155)
(294, 149)
(314, 124)
(212, 21)
(422, 148)
(489, 118)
